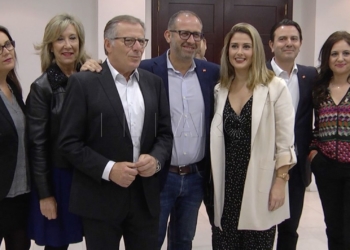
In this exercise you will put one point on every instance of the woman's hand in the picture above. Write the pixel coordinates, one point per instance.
(48, 207)
(312, 155)
(91, 65)
(277, 194)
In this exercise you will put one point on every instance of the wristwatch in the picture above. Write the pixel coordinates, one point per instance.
(158, 166)
(284, 176)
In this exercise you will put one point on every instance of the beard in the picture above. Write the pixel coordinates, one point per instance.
(184, 54)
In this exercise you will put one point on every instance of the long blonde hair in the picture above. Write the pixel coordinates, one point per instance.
(53, 30)
(258, 72)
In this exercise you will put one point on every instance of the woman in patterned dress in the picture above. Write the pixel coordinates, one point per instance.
(330, 148)
(252, 137)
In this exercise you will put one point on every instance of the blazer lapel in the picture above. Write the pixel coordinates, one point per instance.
(259, 100)
(301, 81)
(221, 98)
(6, 114)
(201, 74)
(148, 98)
(160, 69)
(19, 100)
(108, 84)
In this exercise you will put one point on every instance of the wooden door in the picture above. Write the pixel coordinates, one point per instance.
(218, 16)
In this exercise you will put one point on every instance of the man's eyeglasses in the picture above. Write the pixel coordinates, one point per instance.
(185, 35)
(9, 45)
(130, 41)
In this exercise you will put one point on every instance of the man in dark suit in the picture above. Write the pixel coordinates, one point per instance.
(285, 42)
(116, 131)
(189, 84)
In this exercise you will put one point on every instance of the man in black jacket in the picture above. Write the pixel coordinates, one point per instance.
(285, 42)
(116, 131)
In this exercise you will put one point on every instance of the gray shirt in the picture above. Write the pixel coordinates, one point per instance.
(20, 183)
(187, 116)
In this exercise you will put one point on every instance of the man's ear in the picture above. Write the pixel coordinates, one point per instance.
(271, 46)
(108, 45)
(167, 35)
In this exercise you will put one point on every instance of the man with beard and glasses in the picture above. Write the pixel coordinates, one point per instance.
(285, 41)
(190, 84)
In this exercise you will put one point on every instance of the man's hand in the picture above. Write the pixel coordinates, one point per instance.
(91, 65)
(277, 194)
(123, 173)
(146, 165)
(48, 207)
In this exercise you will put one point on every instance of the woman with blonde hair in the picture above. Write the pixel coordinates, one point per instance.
(62, 53)
(252, 137)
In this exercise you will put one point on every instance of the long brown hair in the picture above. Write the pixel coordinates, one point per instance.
(320, 92)
(12, 76)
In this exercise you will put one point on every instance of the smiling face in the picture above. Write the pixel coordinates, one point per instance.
(286, 44)
(66, 48)
(339, 59)
(123, 58)
(240, 52)
(7, 58)
(184, 49)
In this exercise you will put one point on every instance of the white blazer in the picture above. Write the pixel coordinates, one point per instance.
(272, 146)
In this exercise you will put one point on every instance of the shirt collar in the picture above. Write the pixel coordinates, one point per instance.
(279, 71)
(115, 72)
(170, 66)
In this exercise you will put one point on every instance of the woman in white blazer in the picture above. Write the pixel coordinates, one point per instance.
(252, 138)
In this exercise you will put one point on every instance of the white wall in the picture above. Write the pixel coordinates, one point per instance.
(318, 19)
(331, 16)
(304, 13)
(26, 21)
(107, 9)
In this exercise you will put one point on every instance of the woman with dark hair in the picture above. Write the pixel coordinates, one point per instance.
(330, 148)
(14, 174)
(62, 53)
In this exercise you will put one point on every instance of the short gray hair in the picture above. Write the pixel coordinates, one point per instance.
(110, 30)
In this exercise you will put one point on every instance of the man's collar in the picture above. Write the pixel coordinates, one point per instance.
(277, 69)
(115, 72)
(170, 65)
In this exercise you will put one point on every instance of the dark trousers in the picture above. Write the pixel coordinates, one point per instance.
(333, 184)
(56, 248)
(136, 225)
(287, 231)
(13, 222)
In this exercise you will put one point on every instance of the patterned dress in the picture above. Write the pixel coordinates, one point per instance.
(237, 132)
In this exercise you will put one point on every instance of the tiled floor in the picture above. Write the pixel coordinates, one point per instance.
(311, 229)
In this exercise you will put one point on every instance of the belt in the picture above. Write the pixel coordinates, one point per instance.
(183, 169)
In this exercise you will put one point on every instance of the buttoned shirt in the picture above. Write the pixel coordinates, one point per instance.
(134, 109)
(187, 115)
(291, 81)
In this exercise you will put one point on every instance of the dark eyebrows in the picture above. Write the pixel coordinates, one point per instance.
(283, 37)
(243, 44)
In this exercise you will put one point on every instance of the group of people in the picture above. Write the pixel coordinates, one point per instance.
(131, 148)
